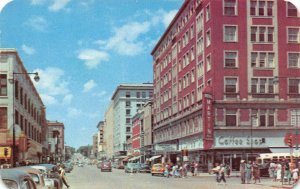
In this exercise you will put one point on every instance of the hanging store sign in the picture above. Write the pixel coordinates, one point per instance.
(207, 115)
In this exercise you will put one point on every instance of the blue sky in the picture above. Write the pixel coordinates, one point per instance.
(83, 49)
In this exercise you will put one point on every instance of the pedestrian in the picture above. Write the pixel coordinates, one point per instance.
(196, 169)
(295, 173)
(216, 171)
(272, 168)
(243, 171)
(248, 170)
(62, 175)
(185, 169)
(256, 172)
(222, 173)
(227, 170)
(166, 171)
(287, 171)
(193, 168)
(278, 171)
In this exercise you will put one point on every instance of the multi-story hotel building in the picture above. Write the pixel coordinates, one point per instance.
(21, 110)
(108, 136)
(127, 99)
(226, 72)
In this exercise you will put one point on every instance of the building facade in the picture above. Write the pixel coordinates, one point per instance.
(127, 99)
(56, 141)
(22, 112)
(109, 129)
(226, 80)
(100, 141)
(94, 153)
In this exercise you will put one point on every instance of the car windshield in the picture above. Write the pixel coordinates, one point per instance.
(35, 178)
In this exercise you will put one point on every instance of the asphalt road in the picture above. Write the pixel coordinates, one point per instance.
(90, 177)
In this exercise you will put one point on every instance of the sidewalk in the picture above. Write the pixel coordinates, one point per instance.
(235, 179)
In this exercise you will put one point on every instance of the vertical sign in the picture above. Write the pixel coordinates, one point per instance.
(207, 116)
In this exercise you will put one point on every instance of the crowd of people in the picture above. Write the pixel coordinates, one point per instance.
(283, 171)
(181, 170)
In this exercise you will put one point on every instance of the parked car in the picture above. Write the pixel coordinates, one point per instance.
(157, 169)
(144, 168)
(51, 176)
(68, 167)
(36, 175)
(16, 179)
(105, 166)
(132, 167)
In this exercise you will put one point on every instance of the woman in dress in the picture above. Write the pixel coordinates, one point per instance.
(256, 172)
(278, 171)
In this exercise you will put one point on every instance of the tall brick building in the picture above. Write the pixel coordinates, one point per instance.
(226, 72)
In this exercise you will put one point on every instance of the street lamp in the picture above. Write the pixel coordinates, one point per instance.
(36, 79)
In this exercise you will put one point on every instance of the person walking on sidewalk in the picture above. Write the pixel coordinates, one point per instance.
(62, 175)
(216, 171)
(256, 172)
(222, 173)
(248, 169)
(243, 171)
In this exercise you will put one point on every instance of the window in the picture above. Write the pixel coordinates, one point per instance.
(230, 85)
(261, 8)
(3, 118)
(143, 94)
(231, 117)
(262, 85)
(230, 59)
(262, 34)
(291, 10)
(128, 112)
(16, 89)
(138, 94)
(230, 33)
(230, 7)
(128, 129)
(3, 85)
(208, 38)
(127, 94)
(293, 60)
(293, 35)
(208, 63)
(253, 34)
(207, 11)
(295, 117)
(294, 86)
(263, 59)
(271, 118)
(127, 103)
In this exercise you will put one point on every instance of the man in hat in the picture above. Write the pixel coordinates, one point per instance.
(242, 171)
(63, 175)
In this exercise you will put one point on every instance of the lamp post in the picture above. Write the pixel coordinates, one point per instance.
(14, 150)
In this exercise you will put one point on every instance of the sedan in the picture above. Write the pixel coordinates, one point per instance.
(132, 168)
(157, 169)
(16, 179)
(105, 166)
(36, 175)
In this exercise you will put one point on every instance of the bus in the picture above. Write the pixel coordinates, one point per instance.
(266, 158)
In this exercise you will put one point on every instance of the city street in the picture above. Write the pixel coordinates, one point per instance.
(92, 178)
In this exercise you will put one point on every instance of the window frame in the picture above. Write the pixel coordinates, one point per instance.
(236, 85)
(235, 36)
(236, 59)
(234, 7)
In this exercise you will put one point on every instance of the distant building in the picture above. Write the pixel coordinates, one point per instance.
(109, 131)
(227, 80)
(101, 152)
(56, 141)
(127, 99)
(94, 153)
(21, 108)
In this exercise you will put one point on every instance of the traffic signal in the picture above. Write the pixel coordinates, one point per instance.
(289, 142)
(5, 152)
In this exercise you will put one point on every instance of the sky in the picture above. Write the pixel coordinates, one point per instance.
(82, 50)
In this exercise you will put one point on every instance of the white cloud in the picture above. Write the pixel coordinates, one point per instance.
(37, 23)
(168, 17)
(28, 50)
(125, 39)
(3, 3)
(48, 100)
(58, 5)
(38, 2)
(73, 112)
(100, 94)
(67, 99)
(53, 86)
(88, 86)
(92, 58)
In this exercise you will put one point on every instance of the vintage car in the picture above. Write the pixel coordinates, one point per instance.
(105, 166)
(52, 179)
(132, 167)
(37, 176)
(16, 179)
(157, 169)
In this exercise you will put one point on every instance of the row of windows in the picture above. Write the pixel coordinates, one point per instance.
(139, 94)
(27, 127)
(261, 85)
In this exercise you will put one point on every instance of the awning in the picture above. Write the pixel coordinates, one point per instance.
(280, 150)
(154, 157)
(126, 158)
(134, 158)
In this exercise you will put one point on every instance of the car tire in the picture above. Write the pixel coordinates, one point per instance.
(152, 174)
